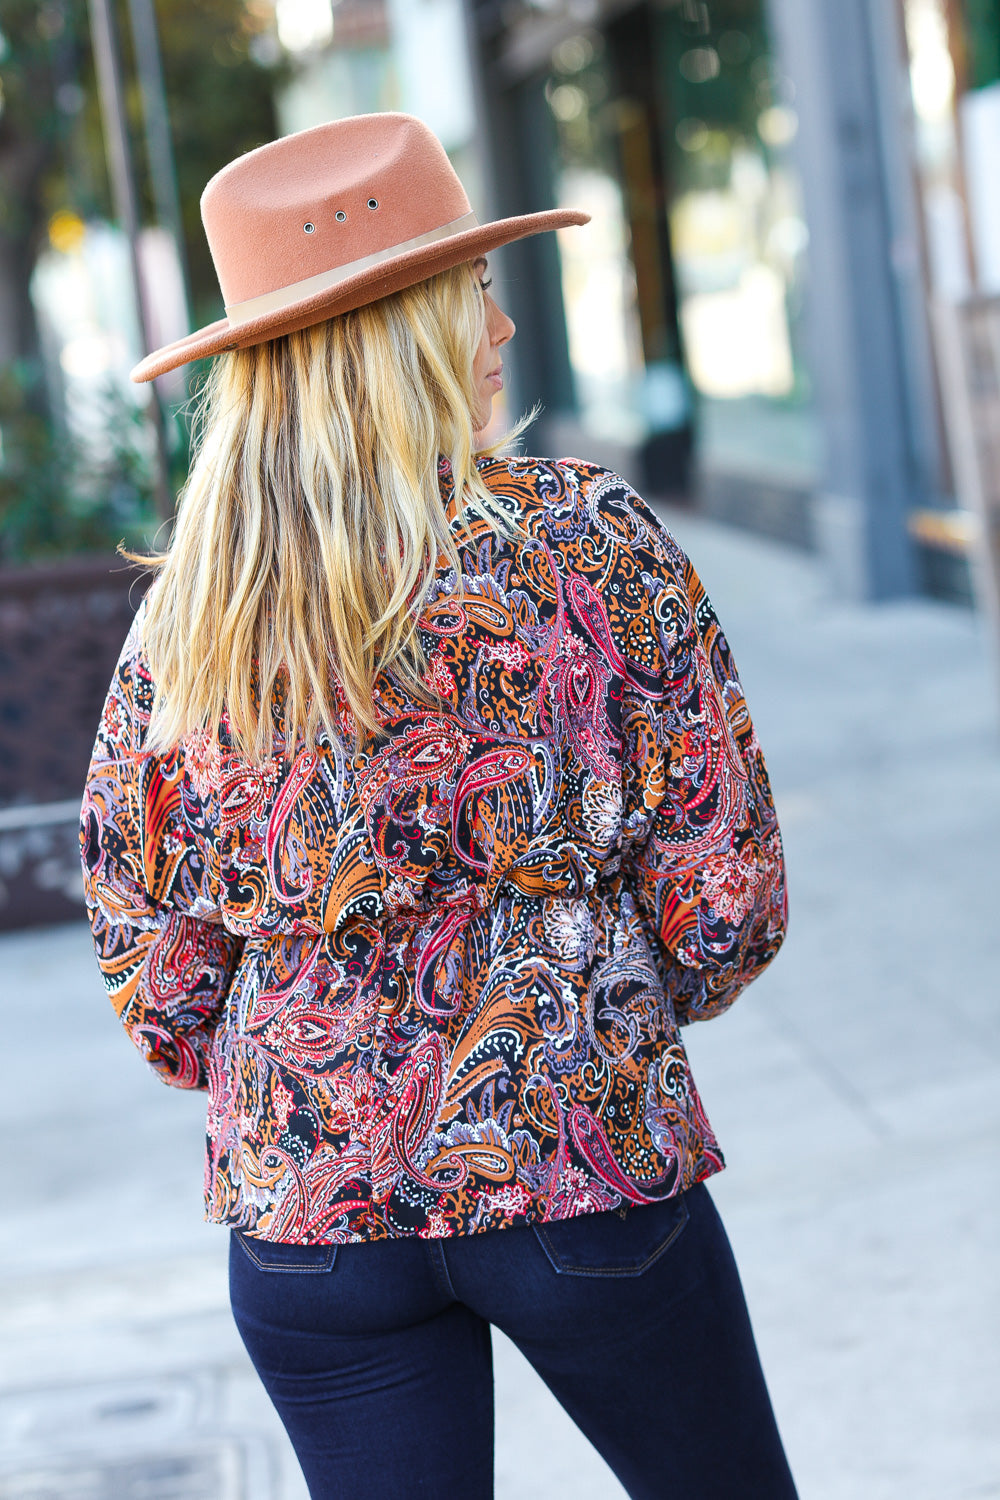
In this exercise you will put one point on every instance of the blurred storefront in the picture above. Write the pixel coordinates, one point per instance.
(683, 353)
(780, 191)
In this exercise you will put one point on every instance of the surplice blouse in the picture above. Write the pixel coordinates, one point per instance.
(435, 986)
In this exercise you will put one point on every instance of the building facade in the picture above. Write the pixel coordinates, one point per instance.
(780, 191)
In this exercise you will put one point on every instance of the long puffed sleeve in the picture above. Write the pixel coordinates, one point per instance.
(710, 875)
(152, 896)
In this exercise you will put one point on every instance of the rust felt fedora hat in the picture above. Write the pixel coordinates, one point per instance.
(329, 219)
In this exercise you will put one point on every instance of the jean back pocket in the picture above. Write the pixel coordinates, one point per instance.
(284, 1257)
(613, 1244)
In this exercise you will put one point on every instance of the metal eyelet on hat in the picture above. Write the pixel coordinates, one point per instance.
(373, 203)
(309, 228)
(340, 216)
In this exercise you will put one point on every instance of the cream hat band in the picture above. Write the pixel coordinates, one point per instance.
(296, 291)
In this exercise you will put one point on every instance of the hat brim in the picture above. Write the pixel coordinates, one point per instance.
(365, 286)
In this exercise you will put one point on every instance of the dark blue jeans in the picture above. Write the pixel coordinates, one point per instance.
(378, 1356)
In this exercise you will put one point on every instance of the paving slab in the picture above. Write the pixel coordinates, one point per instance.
(855, 1088)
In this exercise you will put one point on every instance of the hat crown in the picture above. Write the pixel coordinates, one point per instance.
(324, 198)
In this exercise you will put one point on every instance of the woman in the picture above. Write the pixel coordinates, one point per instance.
(425, 807)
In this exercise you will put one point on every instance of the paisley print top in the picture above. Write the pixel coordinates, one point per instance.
(435, 987)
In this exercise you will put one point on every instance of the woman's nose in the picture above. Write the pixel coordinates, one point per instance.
(503, 328)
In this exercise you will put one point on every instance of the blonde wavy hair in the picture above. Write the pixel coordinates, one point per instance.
(312, 520)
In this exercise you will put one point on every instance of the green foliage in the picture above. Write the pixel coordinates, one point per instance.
(982, 19)
(50, 147)
(725, 105)
(58, 497)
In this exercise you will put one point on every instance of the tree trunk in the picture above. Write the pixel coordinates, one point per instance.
(22, 165)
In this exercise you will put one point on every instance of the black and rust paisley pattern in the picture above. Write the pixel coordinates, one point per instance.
(435, 988)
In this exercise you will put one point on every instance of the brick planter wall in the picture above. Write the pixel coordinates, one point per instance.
(61, 630)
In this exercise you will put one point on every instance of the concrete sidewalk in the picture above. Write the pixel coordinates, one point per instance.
(855, 1088)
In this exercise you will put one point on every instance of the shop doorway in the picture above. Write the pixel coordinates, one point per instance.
(673, 125)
